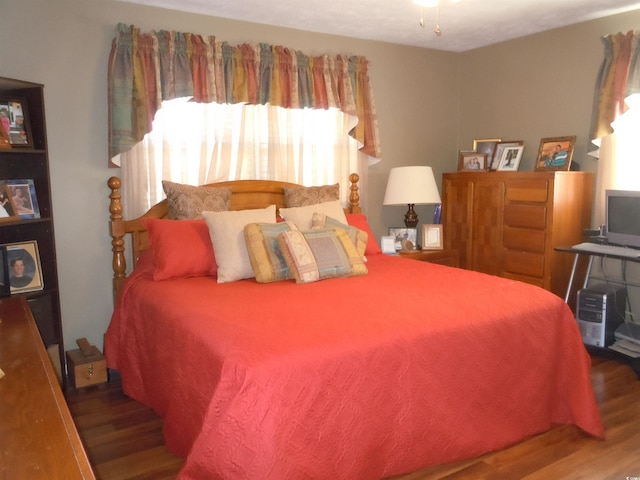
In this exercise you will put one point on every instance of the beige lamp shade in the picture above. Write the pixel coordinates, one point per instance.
(411, 185)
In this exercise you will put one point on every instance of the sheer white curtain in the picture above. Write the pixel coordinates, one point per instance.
(618, 165)
(198, 143)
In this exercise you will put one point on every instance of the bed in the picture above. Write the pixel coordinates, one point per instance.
(362, 376)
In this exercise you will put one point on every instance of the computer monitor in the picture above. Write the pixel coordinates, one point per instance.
(623, 217)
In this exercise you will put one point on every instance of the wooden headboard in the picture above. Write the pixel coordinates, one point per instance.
(245, 194)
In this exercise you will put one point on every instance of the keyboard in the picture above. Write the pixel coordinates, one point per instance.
(603, 249)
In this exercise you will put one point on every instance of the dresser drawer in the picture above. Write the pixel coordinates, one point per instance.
(524, 239)
(536, 191)
(524, 263)
(526, 216)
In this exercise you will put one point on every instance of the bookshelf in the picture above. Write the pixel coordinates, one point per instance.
(24, 165)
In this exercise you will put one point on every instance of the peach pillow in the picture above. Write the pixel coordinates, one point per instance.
(181, 248)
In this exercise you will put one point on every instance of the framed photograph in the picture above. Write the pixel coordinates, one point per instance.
(487, 146)
(4, 273)
(25, 272)
(388, 244)
(23, 196)
(500, 147)
(401, 235)
(15, 121)
(7, 209)
(555, 153)
(473, 161)
(511, 158)
(4, 138)
(432, 237)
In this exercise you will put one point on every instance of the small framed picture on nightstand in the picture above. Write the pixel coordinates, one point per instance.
(432, 237)
(388, 245)
(402, 235)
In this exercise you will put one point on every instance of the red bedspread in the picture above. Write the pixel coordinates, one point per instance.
(411, 365)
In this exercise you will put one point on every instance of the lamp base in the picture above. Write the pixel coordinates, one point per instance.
(411, 217)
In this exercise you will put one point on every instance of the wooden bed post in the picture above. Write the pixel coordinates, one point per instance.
(354, 196)
(117, 235)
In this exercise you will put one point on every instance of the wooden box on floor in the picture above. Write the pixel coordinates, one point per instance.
(86, 367)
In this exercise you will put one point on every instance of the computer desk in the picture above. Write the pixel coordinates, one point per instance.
(591, 255)
(633, 362)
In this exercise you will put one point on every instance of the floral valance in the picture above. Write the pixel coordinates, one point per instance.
(147, 68)
(618, 78)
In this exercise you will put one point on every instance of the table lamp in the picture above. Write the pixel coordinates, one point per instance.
(411, 186)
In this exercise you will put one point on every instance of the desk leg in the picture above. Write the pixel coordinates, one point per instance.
(573, 274)
(588, 274)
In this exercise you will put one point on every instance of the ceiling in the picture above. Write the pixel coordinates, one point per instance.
(466, 25)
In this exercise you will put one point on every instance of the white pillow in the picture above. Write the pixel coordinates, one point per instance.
(226, 230)
(303, 216)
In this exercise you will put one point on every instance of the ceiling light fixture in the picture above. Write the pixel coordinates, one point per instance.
(430, 4)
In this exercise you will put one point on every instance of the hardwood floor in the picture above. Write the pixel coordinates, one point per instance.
(124, 440)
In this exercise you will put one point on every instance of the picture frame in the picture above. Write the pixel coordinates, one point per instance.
(510, 160)
(500, 147)
(15, 121)
(432, 237)
(401, 235)
(388, 244)
(5, 291)
(8, 211)
(555, 153)
(25, 270)
(472, 161)
(486, 145)
(24, 198)
(5, 143)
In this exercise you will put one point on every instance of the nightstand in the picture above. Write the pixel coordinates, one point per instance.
(449, 257)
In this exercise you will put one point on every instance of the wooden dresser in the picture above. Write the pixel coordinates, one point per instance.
(508, 223)
(38, 439)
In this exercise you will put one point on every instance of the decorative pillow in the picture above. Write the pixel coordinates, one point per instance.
(181, 248)
(358, 220)
(265, 255)
(303, 196)
(227, 236)
(302, 216)
(357, 236)
(186, 202)
(318, 254)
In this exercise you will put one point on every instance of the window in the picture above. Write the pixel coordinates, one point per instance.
(198, 143)
(618, 165)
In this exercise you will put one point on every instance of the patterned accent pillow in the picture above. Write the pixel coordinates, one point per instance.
(265, 255)
(303, 196)
(227, 237)
(358, 220)
(302, 216)
(187, 202)
(357, 236)
(319, 254)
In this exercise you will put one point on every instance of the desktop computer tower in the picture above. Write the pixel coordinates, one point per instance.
(600, 310)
